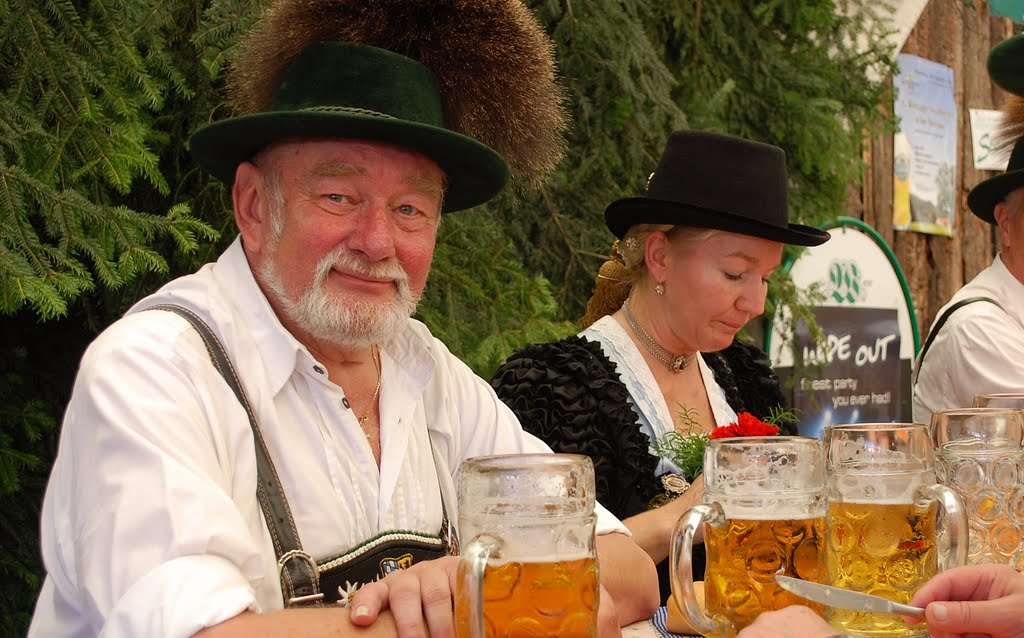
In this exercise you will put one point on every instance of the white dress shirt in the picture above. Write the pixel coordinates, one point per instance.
(151, 526)
(980, 348)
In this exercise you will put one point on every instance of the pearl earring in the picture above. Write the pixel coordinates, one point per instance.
(660, 289)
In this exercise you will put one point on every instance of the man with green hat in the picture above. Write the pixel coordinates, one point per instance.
(976, 343)
(275, 431)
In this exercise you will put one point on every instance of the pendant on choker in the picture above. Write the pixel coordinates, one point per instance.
(674, 362)
(679, 362)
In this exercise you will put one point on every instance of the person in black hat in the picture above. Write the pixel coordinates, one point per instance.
(658, 353)
(275, 430)
(976, 343)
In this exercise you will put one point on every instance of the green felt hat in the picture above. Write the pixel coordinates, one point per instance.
(983, 198)
(344, 90)
(1006, 64)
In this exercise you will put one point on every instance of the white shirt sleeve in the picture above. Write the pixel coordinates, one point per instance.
(140, 535)
(488, 426)
(979, 350)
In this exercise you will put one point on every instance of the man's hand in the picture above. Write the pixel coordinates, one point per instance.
(421, 602)
(795, 621)
(986, 601)
(420, 599)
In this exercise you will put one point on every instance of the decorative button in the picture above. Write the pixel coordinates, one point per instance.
(318, 369)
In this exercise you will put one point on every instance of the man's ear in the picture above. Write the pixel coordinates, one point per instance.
(1002, 215)
(247, 194)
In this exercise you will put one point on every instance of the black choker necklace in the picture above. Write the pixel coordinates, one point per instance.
(674, 362)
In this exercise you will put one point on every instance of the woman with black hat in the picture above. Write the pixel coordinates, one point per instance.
(658, 353)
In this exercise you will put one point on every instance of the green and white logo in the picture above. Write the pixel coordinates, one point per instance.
(845, 279)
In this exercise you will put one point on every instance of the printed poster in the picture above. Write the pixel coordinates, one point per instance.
(860, 369)
(924, 147)
(854, 376)
(988, 154)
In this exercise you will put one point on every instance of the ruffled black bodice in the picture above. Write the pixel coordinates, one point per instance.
(569, 394)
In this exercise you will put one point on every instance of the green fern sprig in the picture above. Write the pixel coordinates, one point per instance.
(778, 416)
(686, 448)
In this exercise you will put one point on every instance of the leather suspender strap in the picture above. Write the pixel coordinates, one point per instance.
(942, 320)
(298, 570)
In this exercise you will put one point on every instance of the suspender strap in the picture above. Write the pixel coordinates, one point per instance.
(298, 570)
(941, 321)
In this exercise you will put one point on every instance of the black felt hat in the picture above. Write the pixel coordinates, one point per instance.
(710, 180)
(983, 198)
(1006, 64)
(344, 90)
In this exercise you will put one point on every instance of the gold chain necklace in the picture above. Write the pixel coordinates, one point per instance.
(376, 391)
(674, 362)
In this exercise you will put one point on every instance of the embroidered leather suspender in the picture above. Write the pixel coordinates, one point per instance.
(297, 569)
(303, 580)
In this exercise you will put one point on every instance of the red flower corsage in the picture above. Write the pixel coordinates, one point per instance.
(746, 425)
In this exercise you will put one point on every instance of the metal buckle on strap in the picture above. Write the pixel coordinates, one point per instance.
(286, 581)
(303, 600)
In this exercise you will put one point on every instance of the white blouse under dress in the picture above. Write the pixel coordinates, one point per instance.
(648, 401)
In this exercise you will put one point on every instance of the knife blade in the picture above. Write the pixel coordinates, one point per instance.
(844, 598)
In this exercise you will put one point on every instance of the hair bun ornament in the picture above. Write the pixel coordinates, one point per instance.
(494, 63)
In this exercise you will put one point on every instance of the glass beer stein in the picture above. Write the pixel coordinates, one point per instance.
(763, 514)
(528, 564)
(981, 457)
(1011, 400)
(882, 520)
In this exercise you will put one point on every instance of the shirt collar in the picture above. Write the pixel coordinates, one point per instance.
(1009, 283)
(281, 351)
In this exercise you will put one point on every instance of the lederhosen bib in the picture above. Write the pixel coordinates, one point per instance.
(304, 581)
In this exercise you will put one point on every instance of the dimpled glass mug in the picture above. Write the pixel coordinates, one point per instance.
(1012, 400)
(981, 457)
(528, 564)
(763, 514)
(882, 529)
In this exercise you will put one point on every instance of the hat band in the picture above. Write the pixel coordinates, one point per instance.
(346, 109)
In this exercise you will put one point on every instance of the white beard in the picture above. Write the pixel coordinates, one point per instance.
(342, 322)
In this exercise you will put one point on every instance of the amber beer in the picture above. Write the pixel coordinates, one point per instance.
(887, 549)
(536, 600)
(743, 557)
(882, 527)
(763, 514)
(528, 560)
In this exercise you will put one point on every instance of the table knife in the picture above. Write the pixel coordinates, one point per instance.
(844, 598)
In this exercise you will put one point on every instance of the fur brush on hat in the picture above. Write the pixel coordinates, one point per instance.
(494, 63)
(1011, 128)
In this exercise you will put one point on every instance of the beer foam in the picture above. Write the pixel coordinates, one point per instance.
(768, 510)
(534, 540)
(894, 488)
(523, 555)
(858, 501)
(759, 514)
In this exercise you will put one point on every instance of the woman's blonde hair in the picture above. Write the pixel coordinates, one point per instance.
(626, 266)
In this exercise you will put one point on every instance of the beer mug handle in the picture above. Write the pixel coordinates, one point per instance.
(955, 517)
(472, 562)
(681, 568)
